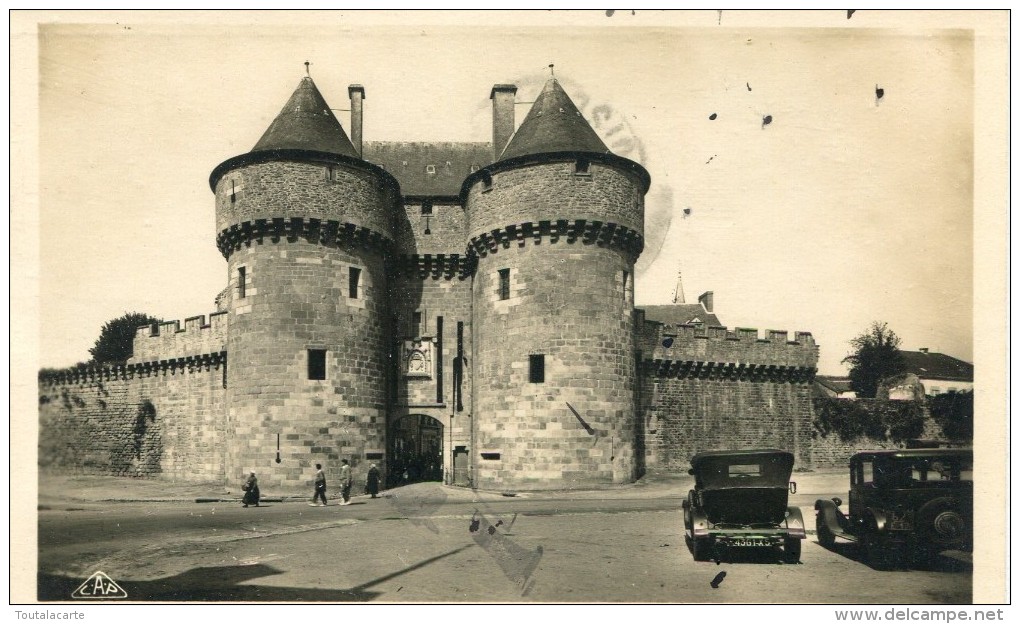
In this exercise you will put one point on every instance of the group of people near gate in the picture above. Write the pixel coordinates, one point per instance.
(252, 495)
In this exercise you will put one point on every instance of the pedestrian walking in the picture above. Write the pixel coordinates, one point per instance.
(320, 488)
(251, 491)
(372, 484)
(345, 482)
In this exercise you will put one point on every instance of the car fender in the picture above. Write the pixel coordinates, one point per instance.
(795, 522)
(875, 520)
(699, 521)
(828, 512)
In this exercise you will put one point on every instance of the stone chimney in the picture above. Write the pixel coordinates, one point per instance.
(357, 95)
(502, 96)
(706, 301)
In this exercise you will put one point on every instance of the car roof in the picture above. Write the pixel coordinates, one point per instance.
(915, 453)
(707, 455)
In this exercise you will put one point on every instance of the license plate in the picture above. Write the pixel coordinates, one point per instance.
(748, 542)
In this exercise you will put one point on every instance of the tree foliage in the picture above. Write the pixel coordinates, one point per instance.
(116, 340)
(875, 356)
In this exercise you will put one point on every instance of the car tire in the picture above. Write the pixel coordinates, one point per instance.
(825, 536)
(941, 524)
(701, 549)
(791, 550)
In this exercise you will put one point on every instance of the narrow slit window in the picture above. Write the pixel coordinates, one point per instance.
(504, 284)
(486, 182)
(317, 364)
(416, 324)
(536, 368)
(625, 276)
(241, 281)
(354, 283)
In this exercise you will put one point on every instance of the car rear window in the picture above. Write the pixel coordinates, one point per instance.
(745, 470)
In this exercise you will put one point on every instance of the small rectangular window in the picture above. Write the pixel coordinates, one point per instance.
(504, 284)
(625, 276)
(426, 207)
(354, 282)
(581, 167)
(416, 324)
(486, 182)
(490, 456)
(241, 277)
(430, 168)
(536, 368)
(317, 364)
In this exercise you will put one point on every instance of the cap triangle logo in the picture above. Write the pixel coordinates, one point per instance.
(99, 587)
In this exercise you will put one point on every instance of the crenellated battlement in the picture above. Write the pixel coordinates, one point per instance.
(692, 350)
(78, 375)
(170, 341)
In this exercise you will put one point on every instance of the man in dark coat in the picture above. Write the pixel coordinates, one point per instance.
(372, 486)
(251, 491)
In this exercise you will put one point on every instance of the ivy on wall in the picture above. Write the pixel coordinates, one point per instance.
(874, 419)
(954, 413)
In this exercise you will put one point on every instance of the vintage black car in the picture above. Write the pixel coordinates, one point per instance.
(904, 504)
(740, 500)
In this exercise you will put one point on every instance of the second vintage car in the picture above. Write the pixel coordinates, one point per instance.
(740, 500)
(905, 505)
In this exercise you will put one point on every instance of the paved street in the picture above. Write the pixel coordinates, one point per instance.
(427, 542)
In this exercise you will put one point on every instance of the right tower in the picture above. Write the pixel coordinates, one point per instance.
(556, 225)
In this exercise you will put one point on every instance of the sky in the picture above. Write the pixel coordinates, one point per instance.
(844, 209)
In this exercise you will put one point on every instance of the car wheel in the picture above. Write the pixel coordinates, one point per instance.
(942, 524)
(825, 537)
(791, 550)
(701, 549)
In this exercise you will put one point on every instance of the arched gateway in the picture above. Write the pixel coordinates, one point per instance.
(415, 450)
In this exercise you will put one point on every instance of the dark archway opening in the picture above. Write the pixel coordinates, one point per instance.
(416, 450)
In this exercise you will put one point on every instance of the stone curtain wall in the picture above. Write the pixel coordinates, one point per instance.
(710, 389)
(687, 416)
(161, 420)
(171, 341)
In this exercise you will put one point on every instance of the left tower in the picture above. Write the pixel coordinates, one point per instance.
(305, 225)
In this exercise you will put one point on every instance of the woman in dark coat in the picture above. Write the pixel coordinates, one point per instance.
(251, 491)
(372, 486)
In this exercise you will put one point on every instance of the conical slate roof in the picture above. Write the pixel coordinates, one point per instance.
(306, 123)
(553, 125)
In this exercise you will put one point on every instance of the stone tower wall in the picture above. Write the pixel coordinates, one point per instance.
(311, 240)
(569, 243)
